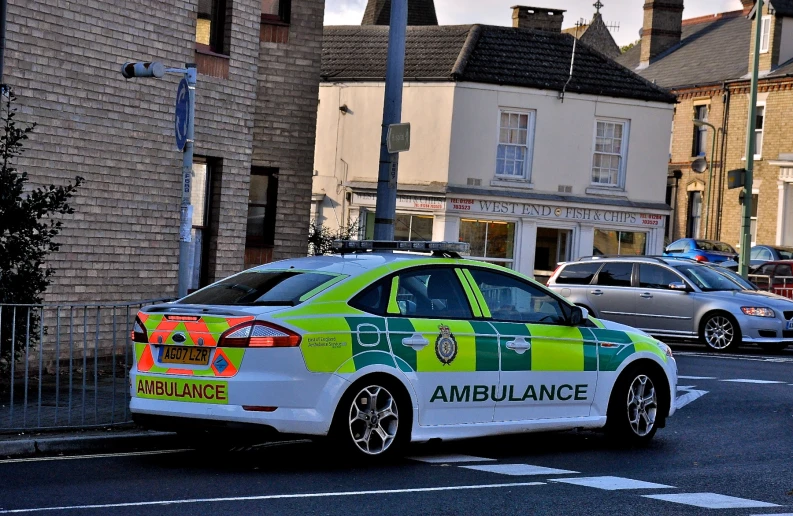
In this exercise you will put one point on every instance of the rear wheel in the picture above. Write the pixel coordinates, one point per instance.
(373, 419)
(720, 332)
(773, 348)
(634, 406)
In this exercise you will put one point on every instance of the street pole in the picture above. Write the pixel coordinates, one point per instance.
(385, 209)
(710, 172)
(746, 228)
(186, 220)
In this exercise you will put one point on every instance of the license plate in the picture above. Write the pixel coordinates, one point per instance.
(790, 325)
(184, 355)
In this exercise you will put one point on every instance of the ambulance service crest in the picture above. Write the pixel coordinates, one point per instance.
(445, 345)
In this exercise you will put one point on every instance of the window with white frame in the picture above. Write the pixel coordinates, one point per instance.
(753, 219)
(765, 36)
(515, 136)
(759, 118)
(608, 160)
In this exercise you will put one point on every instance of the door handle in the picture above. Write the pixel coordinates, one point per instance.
(417, 342)
(646, 295)
(596, 292)
(519, 345)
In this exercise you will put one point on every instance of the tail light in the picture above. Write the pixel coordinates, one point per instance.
(258, 334)
(701, 258)
(139, 333)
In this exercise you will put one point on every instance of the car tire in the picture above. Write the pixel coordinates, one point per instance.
(372, 430)
(773, 348)
(635, 409)
(720, 332)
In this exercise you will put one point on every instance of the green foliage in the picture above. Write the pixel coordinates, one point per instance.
(321, 238)
(27, 229)
(625, 48)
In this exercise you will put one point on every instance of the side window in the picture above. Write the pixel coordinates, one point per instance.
(373, 299)
(766, 255)
(617, 274)
(653, 276)
(432, 292)
(512, 299)
(784, 270)
(767, 270)
(578, 273)
(677, 247)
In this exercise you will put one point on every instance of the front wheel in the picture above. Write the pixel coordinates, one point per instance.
(720, 332)
(634, 407)
(372, 420)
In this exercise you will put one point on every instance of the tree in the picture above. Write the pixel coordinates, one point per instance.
(321, 238)
(28, 227)
(629, 46)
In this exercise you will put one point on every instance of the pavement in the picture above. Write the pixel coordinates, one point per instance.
(728, 449)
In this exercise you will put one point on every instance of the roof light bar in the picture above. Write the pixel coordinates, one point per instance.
(350, 246)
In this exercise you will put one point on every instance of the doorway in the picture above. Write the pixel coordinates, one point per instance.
(551, 248)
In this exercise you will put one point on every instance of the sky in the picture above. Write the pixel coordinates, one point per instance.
(627, 13)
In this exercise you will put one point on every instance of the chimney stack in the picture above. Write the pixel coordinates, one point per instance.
(747, 5)
(537, 18)
(663, 26)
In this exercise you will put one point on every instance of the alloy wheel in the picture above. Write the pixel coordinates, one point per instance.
(373, 420)
(642, 405)
(719, 332)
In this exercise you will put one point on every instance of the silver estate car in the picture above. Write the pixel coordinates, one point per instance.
(678, 298)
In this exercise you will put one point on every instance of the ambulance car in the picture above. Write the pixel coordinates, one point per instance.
(386, 343)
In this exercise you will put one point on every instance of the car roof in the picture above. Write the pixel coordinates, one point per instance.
(352, 264)
(666, 260)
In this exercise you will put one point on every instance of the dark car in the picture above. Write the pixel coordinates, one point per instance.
(701, 250)
(776, 277)
(761, 254)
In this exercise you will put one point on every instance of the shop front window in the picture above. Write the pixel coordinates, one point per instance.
(619, 243)
(491, 241)
(413, 227)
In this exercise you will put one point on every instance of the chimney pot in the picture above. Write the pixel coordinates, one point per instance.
(537, 18)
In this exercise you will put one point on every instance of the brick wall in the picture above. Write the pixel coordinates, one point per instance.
(286, 120)
(63, 62)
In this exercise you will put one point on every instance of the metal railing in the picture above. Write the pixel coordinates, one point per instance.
(781, 285)
(65, 366)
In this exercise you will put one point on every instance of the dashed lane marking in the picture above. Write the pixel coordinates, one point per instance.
(443, 459)
(609, 483)
(520, 469)
(690, 395)
(95, 456)
(746, 380)
(711, 501)
(697, 377)
(274, 497)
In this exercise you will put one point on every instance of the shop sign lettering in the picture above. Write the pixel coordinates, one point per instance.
(404, 201)
(521, 209)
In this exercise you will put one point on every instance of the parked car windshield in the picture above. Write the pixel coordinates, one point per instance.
(714, 246)
(707, 279)
(252, 288)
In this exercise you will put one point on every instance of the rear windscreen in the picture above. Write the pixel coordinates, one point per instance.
(578, 274)
(265, 288)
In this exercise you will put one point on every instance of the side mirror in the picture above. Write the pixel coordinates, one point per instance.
(578, 315)
(678, 285)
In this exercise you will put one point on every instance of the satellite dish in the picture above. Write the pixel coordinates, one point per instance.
(699, 165)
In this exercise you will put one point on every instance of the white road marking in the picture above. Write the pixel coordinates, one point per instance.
(690, 395)
(775, 514)
(711, 501)
(95, 456)
(442, 459)
(520, 469)
(697, 377)
(611, 483)
(746, 380)
(275, 497)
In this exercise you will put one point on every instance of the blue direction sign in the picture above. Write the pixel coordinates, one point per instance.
(182, 118)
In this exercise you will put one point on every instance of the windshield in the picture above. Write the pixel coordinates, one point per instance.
(706, 245)
(707, 279)
(264, 288)
(737, 278)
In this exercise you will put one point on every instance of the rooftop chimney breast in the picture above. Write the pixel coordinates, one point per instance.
(662, 29)
(537, 18)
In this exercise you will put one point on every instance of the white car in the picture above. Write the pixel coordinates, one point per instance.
(377, 349)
